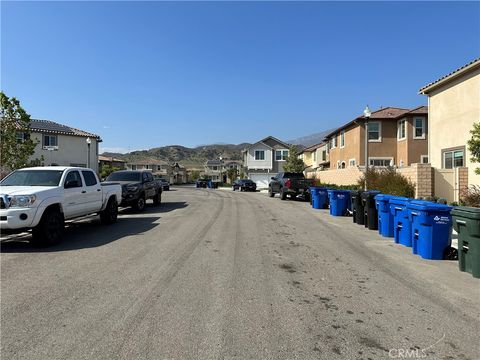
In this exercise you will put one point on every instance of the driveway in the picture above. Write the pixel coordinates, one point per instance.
(216, 274)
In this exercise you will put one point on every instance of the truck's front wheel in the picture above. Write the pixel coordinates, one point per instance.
(283, 194)
(50, 229)
(270, 192)
(110, 213)
(139, 205)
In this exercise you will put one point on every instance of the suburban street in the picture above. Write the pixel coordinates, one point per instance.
(217, 274)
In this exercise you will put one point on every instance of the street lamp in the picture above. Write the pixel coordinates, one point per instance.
(89, 142)
(366, 115)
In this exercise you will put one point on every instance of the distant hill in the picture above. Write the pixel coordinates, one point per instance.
(310, 140)
(189, 157)
(196, 157)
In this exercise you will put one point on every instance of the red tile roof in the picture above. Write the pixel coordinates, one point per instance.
(454, 73)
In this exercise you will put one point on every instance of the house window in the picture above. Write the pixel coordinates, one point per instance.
(342, 165)
(281, 155)
(401, 130)
(50, 140)
(324, 155)
(342, 138)
(453, 158)
(419, 128)
(374, 131)
(334, 141)
(214, 167)
(384, 162)
(314, 156)
(21, 137)
(134, 167)
(424, 159)
(259, 154)
(352, 162)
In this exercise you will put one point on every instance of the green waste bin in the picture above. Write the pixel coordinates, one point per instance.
(466, 222)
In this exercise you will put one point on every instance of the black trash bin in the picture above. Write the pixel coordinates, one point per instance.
(357, 207)
(370, 210)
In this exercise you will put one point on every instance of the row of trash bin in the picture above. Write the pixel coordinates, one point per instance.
(424, 226)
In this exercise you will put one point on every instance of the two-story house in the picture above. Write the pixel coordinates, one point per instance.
(315, 157)
(454, 106)
(213, 170)
(396, 137)
(265, 159)
(110, 161)
(62, 145)
(157, 167)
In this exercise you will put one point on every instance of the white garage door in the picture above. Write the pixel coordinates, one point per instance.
(261, 180)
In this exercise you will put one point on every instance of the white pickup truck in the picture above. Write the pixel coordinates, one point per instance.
(42, 198)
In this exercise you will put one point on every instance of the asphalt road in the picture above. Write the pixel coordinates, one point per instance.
(216, 274)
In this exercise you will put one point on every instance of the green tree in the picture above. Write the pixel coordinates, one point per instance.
(107, 170)
(16, 146)
(232, 174)
(293, 163)
(194, 175)
(474, 145)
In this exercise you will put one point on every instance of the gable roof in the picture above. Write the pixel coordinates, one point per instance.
(51, 127)
(269, 138)
(109, 158)
(389, 112)
(213, 162)
(147, 162)
(312, 148)
(472, 65)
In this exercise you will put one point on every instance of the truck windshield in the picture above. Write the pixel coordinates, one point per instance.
(33, 178)
(125, 176)
(293, 175)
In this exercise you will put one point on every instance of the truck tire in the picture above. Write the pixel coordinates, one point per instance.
(50, 229)
(157, 200)
(283, 194)
(139, 205)
(110, 213)
(270, 192)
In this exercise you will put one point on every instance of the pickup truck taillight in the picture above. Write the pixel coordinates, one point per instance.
(288, 183)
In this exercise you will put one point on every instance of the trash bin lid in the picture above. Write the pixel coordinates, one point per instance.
(428, 206)
(339, 191)
(383, 197)
(467, 212)
(369, 194)
(399, 200)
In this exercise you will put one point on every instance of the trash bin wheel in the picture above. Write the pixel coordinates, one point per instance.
(450, 253)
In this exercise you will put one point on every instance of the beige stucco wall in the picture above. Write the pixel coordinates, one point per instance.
(351, 149)
(71, 150)
(348, 176)
(453, 108)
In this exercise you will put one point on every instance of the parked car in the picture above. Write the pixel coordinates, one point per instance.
(291, 184)
(244, 185)
(164, 182)
(42, 198)
(137, 187)
(202, 183)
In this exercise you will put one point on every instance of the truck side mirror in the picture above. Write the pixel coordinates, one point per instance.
(272, 178)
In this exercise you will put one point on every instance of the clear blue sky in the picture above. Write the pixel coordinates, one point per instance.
(160, 73)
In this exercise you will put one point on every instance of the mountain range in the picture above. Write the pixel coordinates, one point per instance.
(196, 157)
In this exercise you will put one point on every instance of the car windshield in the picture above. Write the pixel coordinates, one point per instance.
(33, 178)
(125, 176)
(247, 181)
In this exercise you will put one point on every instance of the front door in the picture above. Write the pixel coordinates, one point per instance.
(73, 194)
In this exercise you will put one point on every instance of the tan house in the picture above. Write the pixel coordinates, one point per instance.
(62, 145)
(110, 161)
(315, 157)
(396, 137)
(454, 106)
(158, 167)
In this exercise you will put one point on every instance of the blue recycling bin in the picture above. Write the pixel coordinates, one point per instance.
(319, 197)
(385, 217)
(402, 229)
(431, 228)
(339, 202)
(210, 184)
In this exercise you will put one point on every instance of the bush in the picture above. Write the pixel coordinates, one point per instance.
(471, 196)
(338, 187)
(388, 181)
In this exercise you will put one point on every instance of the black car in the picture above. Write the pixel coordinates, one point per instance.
(202, 183)
(137, 187)
(164, 182)
(244, 185)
